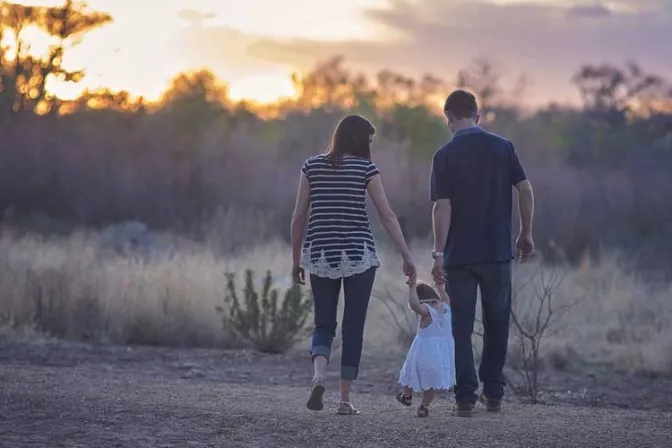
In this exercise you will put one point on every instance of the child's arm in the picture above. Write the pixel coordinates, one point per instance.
(414, 302)
(441, 290)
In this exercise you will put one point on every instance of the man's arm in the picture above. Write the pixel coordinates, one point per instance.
(525, 241)
(440, 193)
(525, 206)
(524, 188)
(441, 216)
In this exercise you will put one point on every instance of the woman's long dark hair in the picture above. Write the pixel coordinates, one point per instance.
(352, 136)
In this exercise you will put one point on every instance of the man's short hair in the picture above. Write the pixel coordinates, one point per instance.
(460, 104)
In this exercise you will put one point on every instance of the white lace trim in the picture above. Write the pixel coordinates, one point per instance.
(346, 267)
(425, 378)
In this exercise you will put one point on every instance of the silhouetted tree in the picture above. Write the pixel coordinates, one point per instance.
(24, 75)
(105, 99)
(610, 93)
(483, 80)
(330, 85)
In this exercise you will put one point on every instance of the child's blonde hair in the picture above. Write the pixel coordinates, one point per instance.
(426, 293)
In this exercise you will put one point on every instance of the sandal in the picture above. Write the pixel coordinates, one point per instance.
(423, 411)
(345, 408)
(404, 399)
(315, 402)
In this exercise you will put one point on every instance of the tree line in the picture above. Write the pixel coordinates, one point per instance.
(197, 162)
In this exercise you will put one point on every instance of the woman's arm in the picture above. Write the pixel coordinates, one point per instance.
(300, 218)
(414, 302)
(387, 216)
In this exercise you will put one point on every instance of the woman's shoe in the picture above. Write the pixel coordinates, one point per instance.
(345, 408)
(317, 389)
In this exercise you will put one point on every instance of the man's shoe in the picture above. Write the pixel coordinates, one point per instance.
(464, 410)
(491, 405)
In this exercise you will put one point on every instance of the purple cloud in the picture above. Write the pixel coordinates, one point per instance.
(545, 42)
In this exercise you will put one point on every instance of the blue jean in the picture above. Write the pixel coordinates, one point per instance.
(357, 291)
(494, 281)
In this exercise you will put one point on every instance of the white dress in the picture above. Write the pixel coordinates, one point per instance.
(430, 362)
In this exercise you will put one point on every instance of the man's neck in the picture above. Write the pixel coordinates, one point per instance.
(463, 124)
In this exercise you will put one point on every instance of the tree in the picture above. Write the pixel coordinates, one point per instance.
(610, 93)
(24, 75)
(194, 101)
(481, 78)
(201, 86)
(330, 84)
(106, 99)
(393, 88)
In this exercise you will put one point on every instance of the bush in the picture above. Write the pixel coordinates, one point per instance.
(260, 319)
(535, 318)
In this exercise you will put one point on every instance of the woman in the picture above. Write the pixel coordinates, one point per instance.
(338, 248)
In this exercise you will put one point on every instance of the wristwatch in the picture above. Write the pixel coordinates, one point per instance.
(436, 254)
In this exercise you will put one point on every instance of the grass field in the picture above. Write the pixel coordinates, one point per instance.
(99, 348)
(78, 289)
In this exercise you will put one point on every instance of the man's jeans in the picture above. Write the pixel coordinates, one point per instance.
(494, 281)
(357, 292)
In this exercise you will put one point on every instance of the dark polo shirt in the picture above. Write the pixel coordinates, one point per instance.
(476, 170)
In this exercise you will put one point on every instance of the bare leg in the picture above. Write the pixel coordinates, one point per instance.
(405, 396)
(428, 397)
(320, 367)
(315, 402)
(344, 389)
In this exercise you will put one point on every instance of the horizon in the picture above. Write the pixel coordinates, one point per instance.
(255, 48)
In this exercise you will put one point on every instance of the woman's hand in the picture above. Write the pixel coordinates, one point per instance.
(298, 275)
(409, 270)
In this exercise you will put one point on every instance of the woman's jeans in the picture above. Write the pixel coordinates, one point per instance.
(357, 292)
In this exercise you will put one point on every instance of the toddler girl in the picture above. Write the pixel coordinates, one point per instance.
(430, 362)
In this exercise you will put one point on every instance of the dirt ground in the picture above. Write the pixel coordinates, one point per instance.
(57, 395)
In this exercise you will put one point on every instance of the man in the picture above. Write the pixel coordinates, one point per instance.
(471, 188)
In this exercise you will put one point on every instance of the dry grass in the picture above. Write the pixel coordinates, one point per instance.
(72, 288)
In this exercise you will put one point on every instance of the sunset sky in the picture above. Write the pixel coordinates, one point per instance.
(254, 45)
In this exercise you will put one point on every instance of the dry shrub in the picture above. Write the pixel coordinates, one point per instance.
(618, 319)
(536, 315)
(262, 319)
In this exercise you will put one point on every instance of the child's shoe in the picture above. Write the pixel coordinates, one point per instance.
(423, 411)
(404, 399)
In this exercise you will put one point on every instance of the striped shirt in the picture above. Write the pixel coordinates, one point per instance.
(338, 241)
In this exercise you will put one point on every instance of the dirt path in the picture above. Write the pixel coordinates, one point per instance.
(57, 402)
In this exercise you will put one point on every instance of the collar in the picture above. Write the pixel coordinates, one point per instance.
(469, 130)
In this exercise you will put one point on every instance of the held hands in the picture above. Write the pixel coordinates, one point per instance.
(438, 274)
(410, 271)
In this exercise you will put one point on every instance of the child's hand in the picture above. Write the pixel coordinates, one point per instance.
(443, 294)
(411, 280)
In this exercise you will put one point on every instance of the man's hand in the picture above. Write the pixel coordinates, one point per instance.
(298, 275)
(437, 271)
(524, 247)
